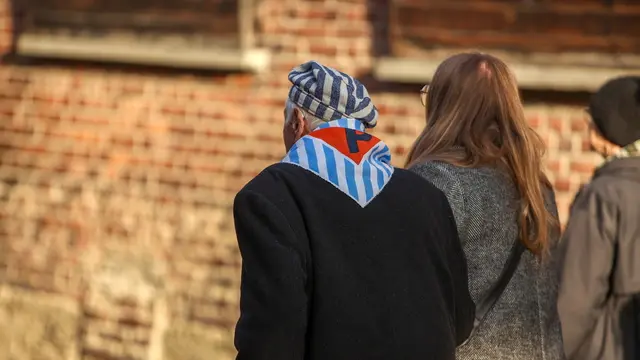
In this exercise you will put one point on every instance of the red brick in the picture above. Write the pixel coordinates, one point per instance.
(353, 32)
(244, 80)
(357, 13)
(579, 124)
(317, 13)
(534, 121)
(562, 185)
(329, 50)
(400, 150)
(556, 124)
(553, 166)
(310, 32)
(581, 167)
(565, 144)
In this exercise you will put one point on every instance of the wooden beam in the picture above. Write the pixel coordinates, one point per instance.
(122, 51)
(558, 76)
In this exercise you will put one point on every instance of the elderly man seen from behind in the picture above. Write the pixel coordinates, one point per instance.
(344, 256)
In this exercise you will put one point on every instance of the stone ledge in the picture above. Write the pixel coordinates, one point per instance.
(562, 72)
(38, 325)
(123, 51)
(191, 341)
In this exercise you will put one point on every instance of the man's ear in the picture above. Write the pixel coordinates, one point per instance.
(298, 122)
(599, 143)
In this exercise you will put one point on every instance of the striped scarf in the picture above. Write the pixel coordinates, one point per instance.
(341, 153)
(631, 150)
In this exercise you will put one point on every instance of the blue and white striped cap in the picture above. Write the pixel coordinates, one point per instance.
(331, 95)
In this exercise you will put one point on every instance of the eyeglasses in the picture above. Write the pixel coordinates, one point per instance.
(423, 95)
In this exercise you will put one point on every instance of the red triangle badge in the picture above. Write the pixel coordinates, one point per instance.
(338, 139)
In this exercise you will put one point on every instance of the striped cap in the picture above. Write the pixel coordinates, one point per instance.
(331, 95)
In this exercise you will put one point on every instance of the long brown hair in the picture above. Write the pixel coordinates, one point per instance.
(475, 118)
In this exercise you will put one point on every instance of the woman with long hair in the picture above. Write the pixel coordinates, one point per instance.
(479, 150)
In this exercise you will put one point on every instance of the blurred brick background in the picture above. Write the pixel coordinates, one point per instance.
(116, 236)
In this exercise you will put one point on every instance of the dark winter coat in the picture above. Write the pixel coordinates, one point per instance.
(600, 293)
(324, 278)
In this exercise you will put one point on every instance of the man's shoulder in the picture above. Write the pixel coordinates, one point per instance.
(418, 186)
(272, 182)
(408, 176)
(605, 188)
(269, 177)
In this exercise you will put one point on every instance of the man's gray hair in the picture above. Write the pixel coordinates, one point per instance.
(312, 120)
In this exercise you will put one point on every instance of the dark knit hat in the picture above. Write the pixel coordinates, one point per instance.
(615, 110)
(331, 95)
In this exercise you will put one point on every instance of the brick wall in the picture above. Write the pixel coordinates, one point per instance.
(116, 236)
(550, 26)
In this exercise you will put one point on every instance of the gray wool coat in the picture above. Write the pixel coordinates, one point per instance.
(524, 324)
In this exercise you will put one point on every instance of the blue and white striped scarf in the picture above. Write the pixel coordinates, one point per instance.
(341, 153)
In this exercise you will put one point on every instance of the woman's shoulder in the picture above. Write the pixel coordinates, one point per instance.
(435, 169)
(431, 166)
(450, 177)
(443, 175)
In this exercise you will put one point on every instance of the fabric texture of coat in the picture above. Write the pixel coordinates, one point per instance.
(600, 293)
(524, 323)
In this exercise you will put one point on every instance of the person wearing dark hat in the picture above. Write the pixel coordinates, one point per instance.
(599, 299)
(344, 256)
